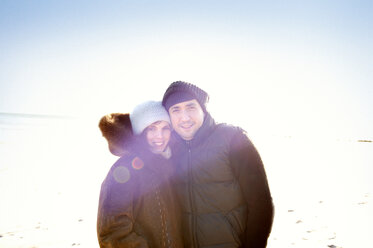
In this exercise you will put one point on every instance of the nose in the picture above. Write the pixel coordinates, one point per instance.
(158, 134)
(185, 116)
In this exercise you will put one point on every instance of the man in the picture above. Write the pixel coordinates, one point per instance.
(221, 181)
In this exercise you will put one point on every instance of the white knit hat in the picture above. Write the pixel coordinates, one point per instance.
(147, 113)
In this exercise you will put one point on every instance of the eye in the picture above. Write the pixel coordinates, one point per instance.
(151, 128)
(166, 128)
(175, 110)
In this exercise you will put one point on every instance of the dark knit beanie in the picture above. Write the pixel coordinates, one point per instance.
(180, 91)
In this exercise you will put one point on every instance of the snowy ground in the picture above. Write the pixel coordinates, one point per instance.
(51, 171)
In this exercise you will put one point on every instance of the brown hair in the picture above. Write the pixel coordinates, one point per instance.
(117, 130)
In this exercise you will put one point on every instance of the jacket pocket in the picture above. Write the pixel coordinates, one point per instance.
(237, 221)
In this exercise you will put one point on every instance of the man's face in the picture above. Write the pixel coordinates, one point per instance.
(186, 118)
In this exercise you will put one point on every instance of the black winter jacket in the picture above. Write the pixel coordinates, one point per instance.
(223, 188)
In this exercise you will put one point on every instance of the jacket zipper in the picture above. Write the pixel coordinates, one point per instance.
(165, 235)
(191, 198)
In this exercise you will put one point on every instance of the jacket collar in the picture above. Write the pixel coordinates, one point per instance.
(151, 160)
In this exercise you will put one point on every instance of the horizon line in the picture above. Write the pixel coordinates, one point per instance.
(28, 115)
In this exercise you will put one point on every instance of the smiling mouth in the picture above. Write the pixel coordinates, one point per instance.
(186, 126)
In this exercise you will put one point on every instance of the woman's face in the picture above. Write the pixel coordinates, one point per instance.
(157, 135)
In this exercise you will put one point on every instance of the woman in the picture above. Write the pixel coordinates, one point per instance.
(136, 206)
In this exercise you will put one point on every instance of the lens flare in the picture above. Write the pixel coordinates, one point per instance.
(137, 163)
(121, 174)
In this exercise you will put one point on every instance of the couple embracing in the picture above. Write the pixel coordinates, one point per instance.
(182, 180)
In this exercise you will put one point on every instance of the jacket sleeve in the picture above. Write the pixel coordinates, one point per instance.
(249, 170)
(115, 217)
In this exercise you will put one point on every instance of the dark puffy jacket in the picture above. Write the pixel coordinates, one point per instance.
(223, 188)
(136, 206)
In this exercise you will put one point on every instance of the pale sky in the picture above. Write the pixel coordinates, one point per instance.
(284, 68)
(294, 68)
